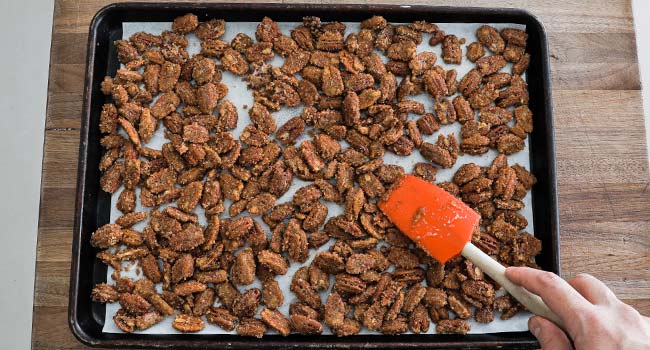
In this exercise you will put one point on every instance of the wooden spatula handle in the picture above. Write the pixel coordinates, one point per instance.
(497, 272)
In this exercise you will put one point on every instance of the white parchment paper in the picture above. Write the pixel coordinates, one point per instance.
(240, 96)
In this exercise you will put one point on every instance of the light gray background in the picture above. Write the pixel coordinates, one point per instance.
(27, 25)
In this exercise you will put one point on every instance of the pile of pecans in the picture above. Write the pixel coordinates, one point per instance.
(375, 276)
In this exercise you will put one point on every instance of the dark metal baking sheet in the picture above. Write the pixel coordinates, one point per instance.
(93, 206)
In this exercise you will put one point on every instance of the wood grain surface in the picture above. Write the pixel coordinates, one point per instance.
(602, 162)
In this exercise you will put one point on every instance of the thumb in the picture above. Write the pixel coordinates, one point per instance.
(550, 337)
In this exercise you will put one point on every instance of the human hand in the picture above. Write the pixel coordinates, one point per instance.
(593, 317)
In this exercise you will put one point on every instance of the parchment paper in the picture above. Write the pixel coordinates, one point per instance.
(240, 96)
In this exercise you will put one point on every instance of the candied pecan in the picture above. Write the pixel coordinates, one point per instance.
(347, 284)
(489, 37)
(273, 261)
(410, 107)
(437, 154)
(329, 262)
(427, 124)
(490, 64)
(134, 303)
(374, 23)
(212, 29)
(190, 196)
(276, 320)
(187, 239)
(373, 317)
(475, 51)
(322, 59)
(403, 258)
(469, 83)
(125, 51)
(243, 270)
(262, 118)
(251, 327)
(106, 236)
(421, 62)
(474, 127)
(506, 183)
(435, 84)
(526, 178)
(401, 51)
(104, 293)
(214, 47)
(185, 24)
(514, 36)
(334, 311)
(403, 146)
(451, 50)
(494, 115)
(358, 82)
(253, 136)
(351, 62)
(187, 323)
(267, 30)
(330, 40)
(290, 131)
(366, 42)
(147, 320)
(150, 268)
(513, 53)
(355, 198)
(479, 290)
(316, 217)
(483, 96)
(398, 68)
(306, 194)
(303, 38)
(312, 74)
(459, 307)
(395, 308)
(457, 326)
(332, 82)
(234, 62)
(396, 326)
(475, 144)
(124, 322)
(445, 111)
(304, 291)
(203, 301)
(245, 305)
(305, 325)
(308, 92)
(372, 187)
(189, 287)
(351, 114)
(425, 171)
(509, 144)
(520, 67)
(183, 268)
(295, 242)
(222, 318)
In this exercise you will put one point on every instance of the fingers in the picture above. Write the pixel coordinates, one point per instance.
(592, 289)
(560, 297)
(550, 337)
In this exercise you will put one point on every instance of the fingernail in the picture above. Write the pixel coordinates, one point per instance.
(534, 327)
(535, 331)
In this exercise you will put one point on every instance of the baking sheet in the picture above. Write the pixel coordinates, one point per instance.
(240, 96)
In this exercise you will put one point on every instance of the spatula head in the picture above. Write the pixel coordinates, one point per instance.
(438, 222)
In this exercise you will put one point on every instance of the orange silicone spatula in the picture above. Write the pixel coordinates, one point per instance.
(442, 225)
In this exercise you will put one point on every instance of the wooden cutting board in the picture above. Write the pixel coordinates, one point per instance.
(602, 161)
